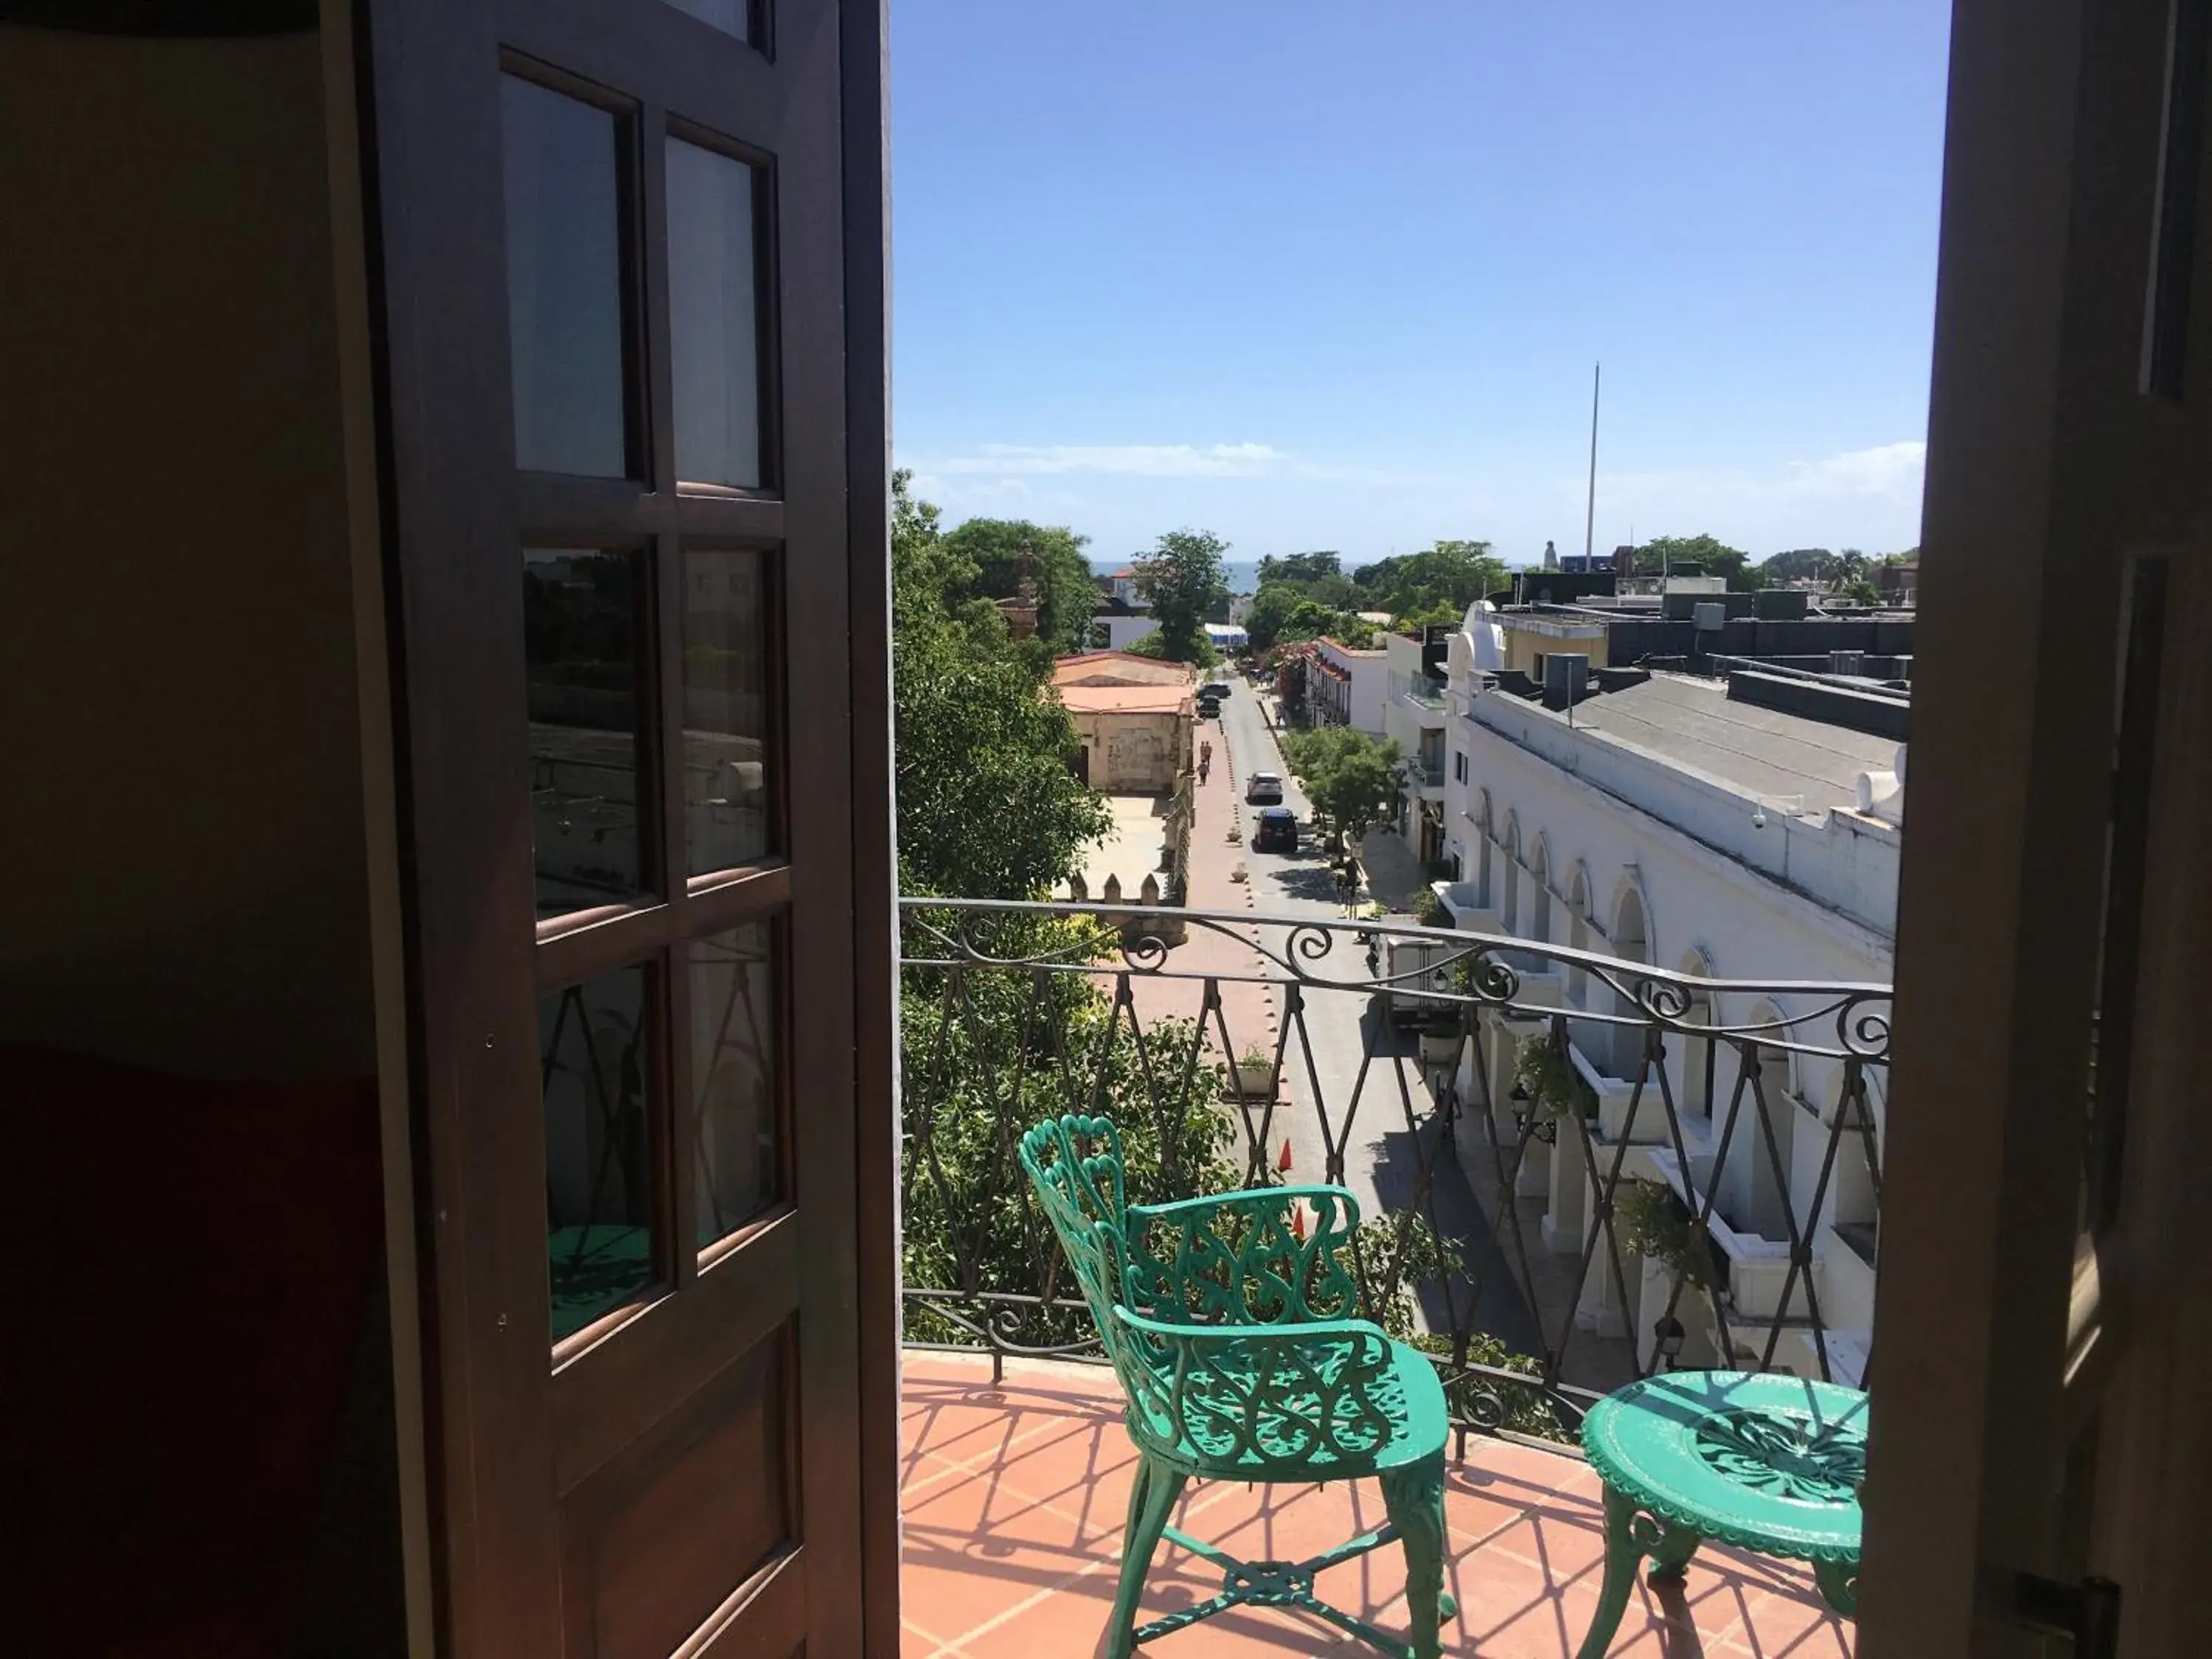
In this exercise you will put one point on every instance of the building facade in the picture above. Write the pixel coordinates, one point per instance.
(1346, 687)
(1671, 823)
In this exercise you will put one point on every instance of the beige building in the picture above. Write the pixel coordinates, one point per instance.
(1134, 715)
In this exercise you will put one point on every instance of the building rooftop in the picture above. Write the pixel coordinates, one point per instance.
(1762, 752)
(1121, 668)
(1125, 698)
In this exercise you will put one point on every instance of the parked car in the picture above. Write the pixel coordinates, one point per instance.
(1215, 689)
(1209, 709)
(1276, 830)
(1265, 789)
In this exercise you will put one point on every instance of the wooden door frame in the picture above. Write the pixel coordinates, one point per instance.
(418, 67)
(865, 59)
(2040, 443)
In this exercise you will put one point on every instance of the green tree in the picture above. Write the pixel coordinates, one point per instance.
(1067, 594)
(986, 805)
(1453, 574)
(1349, 776)
(1795, 564)
(1714, 555)
(1181, 579)
(1155, 644)
(1301, 566)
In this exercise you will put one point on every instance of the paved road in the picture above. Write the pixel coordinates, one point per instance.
(1380, 1155)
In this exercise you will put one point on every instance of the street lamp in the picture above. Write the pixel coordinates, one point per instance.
(1670, 1336)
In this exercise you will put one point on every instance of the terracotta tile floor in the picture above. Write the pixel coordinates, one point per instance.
(1014, 1499)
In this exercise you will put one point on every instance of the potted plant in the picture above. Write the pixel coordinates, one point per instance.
(1440, 1039)
(1656, 1224)
(1256, 1072)
(1542, 1072)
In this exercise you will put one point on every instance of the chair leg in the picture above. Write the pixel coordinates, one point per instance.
(1623, 1555)
(1414, 1497)
(1151, 1500)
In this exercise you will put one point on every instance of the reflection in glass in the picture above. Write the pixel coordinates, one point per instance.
(579, 632)
(726, 760)
(598, 1156)
(731, 16)
(733, 1062)
(713, 324)
(563, 282)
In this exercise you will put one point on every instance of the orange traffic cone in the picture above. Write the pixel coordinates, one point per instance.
(1283, 1164)
(1298, 1222)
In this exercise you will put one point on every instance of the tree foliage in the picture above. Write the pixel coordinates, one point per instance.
(1453, 574)
(1282, 614)
(991, 1052)
(1348, 775)
(1181, 579)
(1302, 567)
(1155, 644)
(1067, 595)
(986, 805)
(1795, 564)
(1714, 555)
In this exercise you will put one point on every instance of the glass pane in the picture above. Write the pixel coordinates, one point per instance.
(733, 1060)
(712, 328)
(731, 16)
(579, 632)
(728, 809)
(599, 1154)
(563, 282)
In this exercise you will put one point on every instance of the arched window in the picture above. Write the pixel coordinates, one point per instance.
(1630, 943)
(1697, 1070)
(1539, 875)
(1482, 848)
(1512, 873)
(1769, 1094)
(1578, 934)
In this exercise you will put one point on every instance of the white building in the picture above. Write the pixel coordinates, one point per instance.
(1413, 719)
(1669, 823)
(1345, 687)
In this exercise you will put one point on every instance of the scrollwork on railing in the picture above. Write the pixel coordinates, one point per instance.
(1493, 1238)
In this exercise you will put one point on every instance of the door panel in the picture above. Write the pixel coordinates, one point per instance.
(2067, 480)
(612, 260)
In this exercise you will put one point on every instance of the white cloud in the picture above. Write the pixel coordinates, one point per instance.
(1143, 460)
(1884, 470)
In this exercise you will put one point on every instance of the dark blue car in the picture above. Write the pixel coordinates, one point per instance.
(1276, 830)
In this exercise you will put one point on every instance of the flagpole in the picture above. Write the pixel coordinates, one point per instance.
(1589, 517)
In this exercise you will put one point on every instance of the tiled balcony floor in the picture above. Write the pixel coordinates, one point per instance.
(1014, 1501)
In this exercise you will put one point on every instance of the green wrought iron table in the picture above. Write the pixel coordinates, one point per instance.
(1768, 1463)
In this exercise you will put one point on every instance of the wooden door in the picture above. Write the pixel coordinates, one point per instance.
(609, 237)
(2043, 1354)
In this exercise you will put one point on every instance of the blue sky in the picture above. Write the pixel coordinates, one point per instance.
(1321, 275)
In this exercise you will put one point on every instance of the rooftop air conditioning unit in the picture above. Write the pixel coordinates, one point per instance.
(1845, 662)
(1708, 616)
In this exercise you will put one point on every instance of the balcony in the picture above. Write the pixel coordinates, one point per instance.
(1425, 775)
(1562, 1191)
(1012, 1494)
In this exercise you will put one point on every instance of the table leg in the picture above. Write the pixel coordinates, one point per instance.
(1622, 1554)
(1839, 1585)
(1673, 1556)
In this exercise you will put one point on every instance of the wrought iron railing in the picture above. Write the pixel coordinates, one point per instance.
(1576, 1168)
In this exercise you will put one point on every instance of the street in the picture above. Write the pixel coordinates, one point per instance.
(1368, 1115)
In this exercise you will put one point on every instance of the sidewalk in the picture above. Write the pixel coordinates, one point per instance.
(1249, 1011)
(1394, 874)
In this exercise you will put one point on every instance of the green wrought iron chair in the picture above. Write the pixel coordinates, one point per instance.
(1234, 1339)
